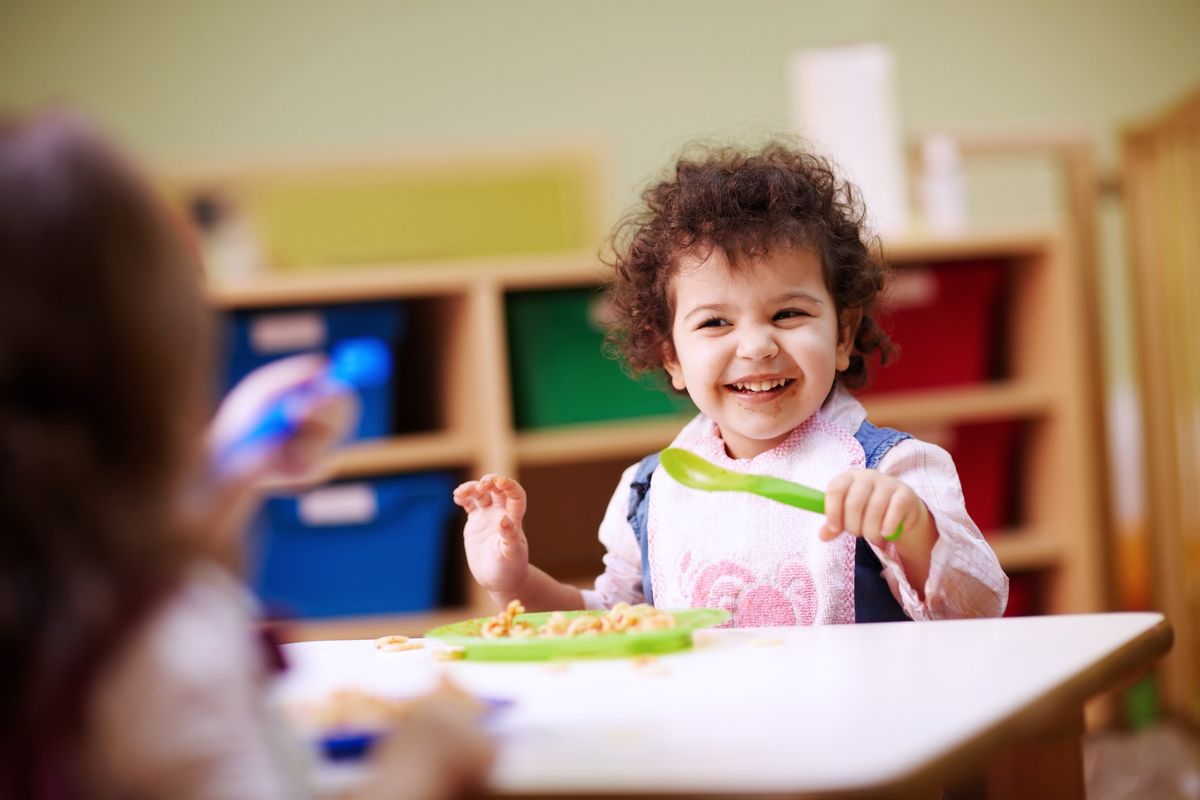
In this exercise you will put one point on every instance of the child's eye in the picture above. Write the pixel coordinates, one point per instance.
(713, 322)
(791, 313)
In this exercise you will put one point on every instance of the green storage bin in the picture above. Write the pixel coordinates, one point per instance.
(560, 374)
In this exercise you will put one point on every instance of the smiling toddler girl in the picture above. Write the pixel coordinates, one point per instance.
(747, 277)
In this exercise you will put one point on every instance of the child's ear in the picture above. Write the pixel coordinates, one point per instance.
(671, 365)
(847, 330)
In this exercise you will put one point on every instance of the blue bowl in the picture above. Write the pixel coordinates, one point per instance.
(352, 745)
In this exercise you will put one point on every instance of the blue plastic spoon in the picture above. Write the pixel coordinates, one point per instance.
(354, 364)
(696, 473)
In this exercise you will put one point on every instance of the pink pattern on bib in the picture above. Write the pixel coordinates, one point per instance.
(719, 585)
(752, 601)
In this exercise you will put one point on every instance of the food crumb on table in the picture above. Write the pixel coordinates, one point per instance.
(396, 644)
(449, 653)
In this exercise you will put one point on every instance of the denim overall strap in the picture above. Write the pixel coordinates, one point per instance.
(639, 517)
(873, 599)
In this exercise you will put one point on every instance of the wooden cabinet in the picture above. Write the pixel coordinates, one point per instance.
(458, 388)
(1162, 201)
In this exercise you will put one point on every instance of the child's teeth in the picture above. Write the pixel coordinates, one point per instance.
(759, 386)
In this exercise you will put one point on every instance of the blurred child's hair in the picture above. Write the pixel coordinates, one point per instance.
(745, 204)
(104, 367)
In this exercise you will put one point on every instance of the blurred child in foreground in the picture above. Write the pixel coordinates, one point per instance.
(133, 668)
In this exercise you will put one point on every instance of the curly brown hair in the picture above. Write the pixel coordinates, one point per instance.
(744, 203)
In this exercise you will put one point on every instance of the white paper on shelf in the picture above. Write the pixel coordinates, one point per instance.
(844, 104)
(287, 331)
(345, 504)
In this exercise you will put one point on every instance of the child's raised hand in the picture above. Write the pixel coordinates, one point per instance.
(497, 551)
(227, 493)
(870, 504)
(321, 421)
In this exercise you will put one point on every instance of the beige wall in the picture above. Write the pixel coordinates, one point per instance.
(224, 78)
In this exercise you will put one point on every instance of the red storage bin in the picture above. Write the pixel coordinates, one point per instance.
(987, 458)
(1024, 594)
(945, 320)
(985, 455)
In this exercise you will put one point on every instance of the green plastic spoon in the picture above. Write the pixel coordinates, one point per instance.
(693, 471)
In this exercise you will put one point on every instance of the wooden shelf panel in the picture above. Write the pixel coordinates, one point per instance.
(388, 281)
(1013, 243)
(361, 282)
(1026, 548)
(403, 453)
(596, 441)
(959, 405)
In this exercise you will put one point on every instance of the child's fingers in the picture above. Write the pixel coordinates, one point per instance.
(491, 490)
(465, 493)
(835, 498)
(466, 487)
(488, 489)
(472, 495)
(899, 511)
(328, 418)
(874, 513)
(855, 504)
(514, 496)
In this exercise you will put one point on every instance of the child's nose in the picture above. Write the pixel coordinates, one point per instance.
(757, 343)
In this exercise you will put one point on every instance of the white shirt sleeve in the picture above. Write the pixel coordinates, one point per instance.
(182, 712)
(965, 577)
(622, 576)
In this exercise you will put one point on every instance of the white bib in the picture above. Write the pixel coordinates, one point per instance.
(758, 559)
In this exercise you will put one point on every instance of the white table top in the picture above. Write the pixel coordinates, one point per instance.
(799, 710)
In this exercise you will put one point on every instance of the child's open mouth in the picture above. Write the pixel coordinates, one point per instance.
(760, 388)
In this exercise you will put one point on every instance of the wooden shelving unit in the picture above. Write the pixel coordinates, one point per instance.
(459, 324)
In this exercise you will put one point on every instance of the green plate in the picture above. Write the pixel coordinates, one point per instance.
(605, 645)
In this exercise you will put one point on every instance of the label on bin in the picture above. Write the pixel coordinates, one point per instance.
(287, 332)
(349, 504)
(915, 287)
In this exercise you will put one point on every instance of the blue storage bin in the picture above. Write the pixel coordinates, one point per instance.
(255, 338)
(355, 547)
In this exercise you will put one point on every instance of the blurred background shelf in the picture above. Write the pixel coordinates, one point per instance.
(403, 453)
(990, 401)
(500, 370)
(629, 439)
(336, 283)
(1026, 548)
(971, 245)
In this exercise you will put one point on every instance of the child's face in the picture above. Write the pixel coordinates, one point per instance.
(756, 349)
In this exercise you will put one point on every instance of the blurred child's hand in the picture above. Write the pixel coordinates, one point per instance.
(867, 503)
(497, 551)
(438, 751)
(322, 420)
